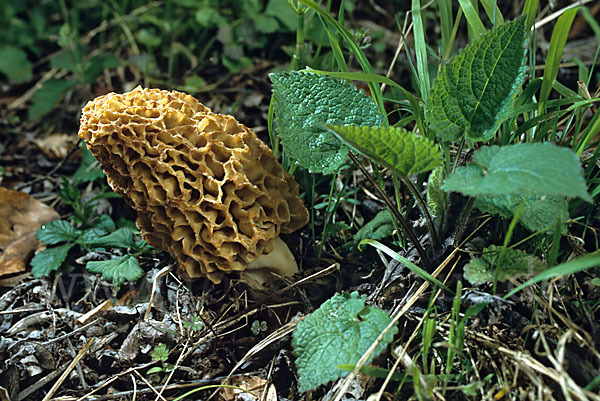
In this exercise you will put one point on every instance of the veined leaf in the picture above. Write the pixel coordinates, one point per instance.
(339, 332)
(57, 231)
(49, 260)
(524, 168)
(475, 92)
(14, 64)
(540, 212)
(437, 199)
(495, 264)
(395, 148)
(119, 270)
(304, 102)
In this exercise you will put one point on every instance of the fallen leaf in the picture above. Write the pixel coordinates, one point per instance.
(20, 217)
(57, 146)
(249, 384)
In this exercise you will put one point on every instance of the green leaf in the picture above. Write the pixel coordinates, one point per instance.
(89, 169)
(121, 238)
(49, 260)
(380, 227)
(494, 264)
(44, 100)
(339, 332)
(304, 102)
(14, 64)
(395, 148)
(523, 168)
(160, 353)
(119, 270)
(540, 212)
(475, 92)
(57, 231)
(437, 199)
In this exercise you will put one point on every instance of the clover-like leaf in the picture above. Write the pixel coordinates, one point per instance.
(119, 270)
(524, 168)
(57, 231)
(395, 148)
(304, 102)
(337, 333)
(475, 92)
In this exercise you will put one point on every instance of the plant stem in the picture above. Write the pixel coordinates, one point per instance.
(463, 221)
(407, 228)
(435, 240)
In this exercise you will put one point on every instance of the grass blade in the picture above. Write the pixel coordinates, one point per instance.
(472, 18)
(420, 49)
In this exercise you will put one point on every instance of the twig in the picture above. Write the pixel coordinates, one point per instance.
(407, 228)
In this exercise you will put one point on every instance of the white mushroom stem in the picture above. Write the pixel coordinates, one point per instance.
(279, 261)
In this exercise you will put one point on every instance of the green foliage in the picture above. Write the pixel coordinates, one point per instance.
(339, 332)
(304, 102)
(395, 148)
(14, 64)
(160, 353)
(496, 264)
(524, 168)
(49, 260)
(437, 199)
(540, 212)
(475, 92)
(119, 270)
(380, 227)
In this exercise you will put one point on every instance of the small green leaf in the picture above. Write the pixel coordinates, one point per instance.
(49, 260)
(395, 148)
(475, 92)
(524, 168)
(437, 199)
(380, 227)
(304, 102)
(160, 353)
(89, 168)
(57, 231)
(155, 369)
(14, 64)
(495, 264)
(540, 212)
(121, 238)
(119, 270)
(44, 100)
(339, 332)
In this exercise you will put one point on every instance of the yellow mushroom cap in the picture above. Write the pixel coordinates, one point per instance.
(205, 187)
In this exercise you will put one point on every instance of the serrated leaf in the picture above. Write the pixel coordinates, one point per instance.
(44, 100)
(475, 92)
(523, 168)
(395, 148)
(14, 64)
(57, 231)
(437, 199)
(380, 227)
(119, 270)
(89, 169)
(540, 212)
(337, 333)
(304, 102)
(494, 264)
(121, 238)
(49, 260)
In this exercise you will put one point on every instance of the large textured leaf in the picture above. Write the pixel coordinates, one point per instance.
(337, 333)
(531, 168)
(437, 199)
(119, 270)
(475, 92)
(540, 212)
(304, 102)
(494, 264)
(395, 148)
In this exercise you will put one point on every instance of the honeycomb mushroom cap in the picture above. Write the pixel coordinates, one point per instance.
(205, 187)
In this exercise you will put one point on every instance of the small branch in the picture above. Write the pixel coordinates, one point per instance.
(407, 228)
(435, 240)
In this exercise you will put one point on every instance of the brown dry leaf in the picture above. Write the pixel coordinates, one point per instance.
(20, 217)
(57, 146)
(252, 384)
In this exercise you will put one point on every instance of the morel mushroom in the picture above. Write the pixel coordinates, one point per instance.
(205, 187)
